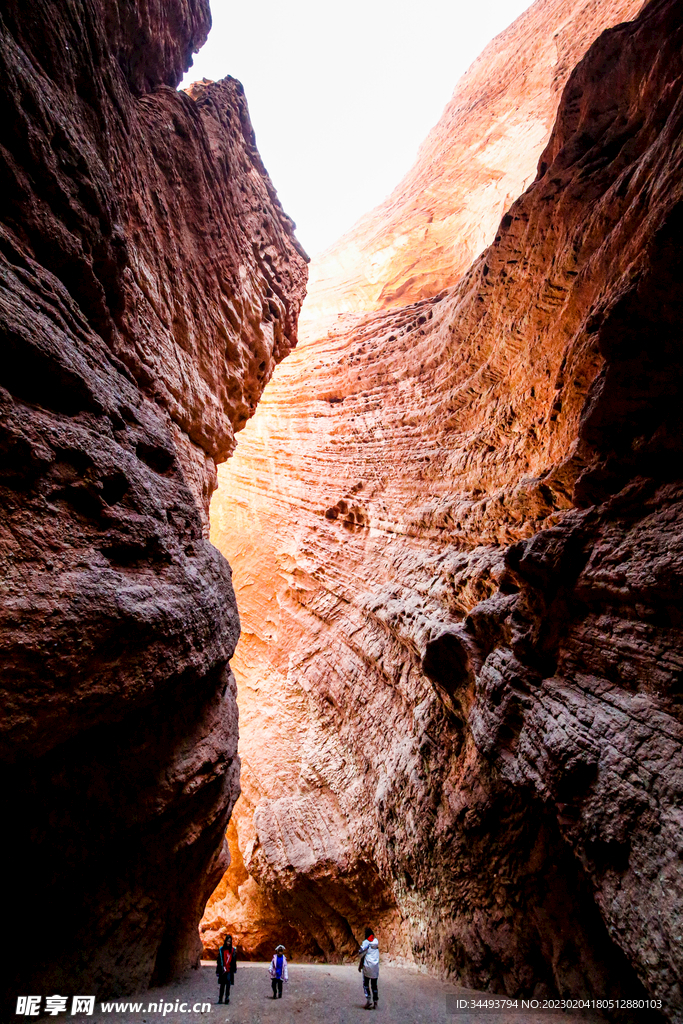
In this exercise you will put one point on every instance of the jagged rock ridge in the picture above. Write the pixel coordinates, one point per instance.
(150, 282)
(455, 528)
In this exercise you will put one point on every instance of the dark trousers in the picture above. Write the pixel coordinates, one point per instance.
(224, 987)
(277, 987)
(367, 982)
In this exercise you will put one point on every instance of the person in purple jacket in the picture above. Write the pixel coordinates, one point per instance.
(278, 971)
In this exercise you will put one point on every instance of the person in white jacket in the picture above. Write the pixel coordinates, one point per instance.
(369, 965)
(278, 971)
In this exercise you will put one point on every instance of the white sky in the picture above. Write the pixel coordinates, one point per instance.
(342, 94)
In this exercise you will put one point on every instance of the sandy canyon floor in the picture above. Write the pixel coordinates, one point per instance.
(319, 994)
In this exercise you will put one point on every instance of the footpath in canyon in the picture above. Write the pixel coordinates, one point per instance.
(455, 524)
(318, 994)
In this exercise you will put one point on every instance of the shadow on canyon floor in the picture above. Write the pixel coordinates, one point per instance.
(322, 994)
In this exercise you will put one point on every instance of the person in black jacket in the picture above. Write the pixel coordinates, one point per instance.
(226, 965)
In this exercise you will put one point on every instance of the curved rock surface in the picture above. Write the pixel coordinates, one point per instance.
(455, 531)
(150, 282)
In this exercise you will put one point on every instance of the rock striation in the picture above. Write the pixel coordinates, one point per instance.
(455, 531)
(149, 284)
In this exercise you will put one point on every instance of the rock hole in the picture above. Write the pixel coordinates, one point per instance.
(157, 457)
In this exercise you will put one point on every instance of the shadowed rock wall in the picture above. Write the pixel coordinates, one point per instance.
(149, 283)
(455, 530)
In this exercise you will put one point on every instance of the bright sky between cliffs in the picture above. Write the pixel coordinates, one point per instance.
(342, 94)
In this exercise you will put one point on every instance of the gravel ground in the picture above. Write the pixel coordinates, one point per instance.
(315, 994)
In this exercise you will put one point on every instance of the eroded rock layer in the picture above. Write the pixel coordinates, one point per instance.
(149, 284)
(455, 529)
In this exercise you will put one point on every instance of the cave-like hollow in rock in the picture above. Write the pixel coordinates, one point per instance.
(454, 518)
(455, 525)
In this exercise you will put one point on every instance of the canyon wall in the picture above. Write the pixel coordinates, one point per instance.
(150, 282)
(455, 529)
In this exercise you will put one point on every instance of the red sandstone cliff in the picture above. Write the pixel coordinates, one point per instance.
(455, 529)
(150, 282)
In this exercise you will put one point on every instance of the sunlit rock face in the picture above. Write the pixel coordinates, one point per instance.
(150, 282)
(476, 161)
(455, 529)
